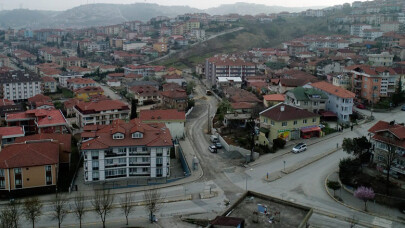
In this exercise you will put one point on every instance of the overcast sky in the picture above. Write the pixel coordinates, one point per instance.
(202, 4)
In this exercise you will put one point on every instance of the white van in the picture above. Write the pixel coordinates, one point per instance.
(214, 138)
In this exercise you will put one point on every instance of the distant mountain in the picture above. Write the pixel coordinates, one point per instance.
(108, 14)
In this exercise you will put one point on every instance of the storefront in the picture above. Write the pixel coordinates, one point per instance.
(311, 131)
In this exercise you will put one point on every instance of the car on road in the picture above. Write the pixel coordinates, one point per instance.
(403, 108)
(218, 145)
(361, 106)
(212, 149)
(300, 147)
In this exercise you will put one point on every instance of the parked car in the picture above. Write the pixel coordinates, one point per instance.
(403, 108)
(214, 138)
(361, 106)
(212, 149)
(300, 147)
(218, 145)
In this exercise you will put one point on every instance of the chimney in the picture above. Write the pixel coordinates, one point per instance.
(282, 108)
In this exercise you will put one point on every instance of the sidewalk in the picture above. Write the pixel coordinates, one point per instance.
(354, 203)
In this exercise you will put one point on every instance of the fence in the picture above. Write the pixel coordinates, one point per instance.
(183, 162)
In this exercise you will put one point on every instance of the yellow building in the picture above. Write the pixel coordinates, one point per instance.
(192, 24)
(287, 122)
(160, 47)
(86, 93)
(28, 166)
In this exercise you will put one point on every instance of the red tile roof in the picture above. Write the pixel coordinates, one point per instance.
(48, 79)
(289, 113)
(39, 98)
(89, 89)
(370, 70)
(29, 155)
(103, 105)
(332, 89)
(175, 94)
(161, 115)
(242, 105)
(132, 75)
(396, 129)
(80, 81)
(11, 131)
(4, 102)
(116, 75)
(274, 97)
(171, 86)
(43, 117)
(70, 103)
(153, 135)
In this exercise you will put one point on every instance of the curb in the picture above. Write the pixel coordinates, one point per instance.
(356, 209)
(282, 173)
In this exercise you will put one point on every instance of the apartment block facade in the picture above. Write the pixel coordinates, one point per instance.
(124, 150)
(18, 85)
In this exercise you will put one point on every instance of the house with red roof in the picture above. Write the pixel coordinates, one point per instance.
(77, 83)
(9, 134)
(68, 107)
(28, 168)
(100, 112)
(340, 101)
(174, 99)
(287, 122)
(126, 149)
(387, 137)
(50, 84)
(273, 99)
(145, 94)
(239, 114)
(8, 106)
(39, 121)
(40, 101)
(87, 92)
(174, 120)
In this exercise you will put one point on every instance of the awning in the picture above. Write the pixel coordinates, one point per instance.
(309, 129)
(328, 114)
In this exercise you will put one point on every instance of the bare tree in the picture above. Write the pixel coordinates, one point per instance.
(59, 209)
(78, 208)
(127, 206)
(32, 209)
(10, 215)
(389, 156)
(153, 202)
(103, 204)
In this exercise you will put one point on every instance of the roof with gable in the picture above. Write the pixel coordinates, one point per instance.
(102, 105)
(289, 82)
(80, 81)
(395, 129)
(171, 86)
(43, 117)
(161, 115)
(48, 79)
(11, 132)
(116, 75)
(89, 89)
(242, 105)
(29, 155)
(289, 113)
(153, 135)
(371, 70)
(4, 102)
(39, 98)
(175, 94)
(304, 94)
(241, 95)
(332, 89)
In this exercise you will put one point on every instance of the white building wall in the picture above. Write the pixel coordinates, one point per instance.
(176, 129)
(21, 91)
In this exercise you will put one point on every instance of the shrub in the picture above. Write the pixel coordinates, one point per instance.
(278, 143)
(347, 169)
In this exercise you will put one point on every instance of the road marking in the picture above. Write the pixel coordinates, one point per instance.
(382, 222)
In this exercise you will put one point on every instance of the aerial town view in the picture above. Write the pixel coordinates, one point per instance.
(189, 114)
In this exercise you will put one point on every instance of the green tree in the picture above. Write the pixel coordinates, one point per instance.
(134, 104)
(347, 169)
(58, 105)
(356, 146)
(32, 209)
(334, 185)
(223, 108)
(190, 87)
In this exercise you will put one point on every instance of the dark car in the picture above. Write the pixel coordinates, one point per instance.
(403, 108)
(218, 145)
(361, 106)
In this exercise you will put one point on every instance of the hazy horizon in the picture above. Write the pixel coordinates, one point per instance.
(64, 5)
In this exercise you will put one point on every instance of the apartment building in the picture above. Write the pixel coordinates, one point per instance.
(358, 29)
(228, 66)
(340, 100)
(373, 83)
(307, 98)
(27, 166)
(382, 59)
(18, 85)
(50, 84)
(73, 61)
(65, 76)
(100, 112)
(78, 83)
(123, 150)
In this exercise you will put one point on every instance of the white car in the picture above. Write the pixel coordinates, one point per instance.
(212, 149)
(300, 147)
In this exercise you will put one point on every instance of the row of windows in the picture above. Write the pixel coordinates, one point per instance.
(285, 123)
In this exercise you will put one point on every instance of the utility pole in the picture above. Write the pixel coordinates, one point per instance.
(209, 120)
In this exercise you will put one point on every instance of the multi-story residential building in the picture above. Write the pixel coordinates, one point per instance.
(342, 80)
(392, 26)
(40, 101)
(228, 66)
(65, 76)
(78, 83)
(383, 59)
(295, 48)
(192, 24)
(73, 61)
(371, 34)
(100, 112)
(373, 83)
(8, 106)
(9, 134)
(388, 136)
(39, 121)
(50, 85)
(18, 85)
(123, 150)
(145, 94)
(28, 167)
(287, 122)
(173, 119)
(307, 98)
(340, 100)
(142, 70)
(358, 29)
(174, 99)
(273, 99)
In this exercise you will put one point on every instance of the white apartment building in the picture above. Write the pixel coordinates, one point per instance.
(358, 29)
(66, 76)
(18, 85)
(124, 150)
(340, 100)
(383, 59)
(100, 112)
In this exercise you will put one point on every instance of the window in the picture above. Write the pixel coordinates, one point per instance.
(375, 80)
(304, 121)
(122, 161)
(284, 124)
(132, 149)
(122, 150)
(159, 161)
(305, 102)
(313, 120)
(118, 136)
(96, 175)
(272, 122)
(48, 168)
(365, 86)
(109, 161)
(137, 135)
(145, 159)
(95, 165)
(94, 155)
(145, 170)
(295, 122)
(17, 170)
(144, 149)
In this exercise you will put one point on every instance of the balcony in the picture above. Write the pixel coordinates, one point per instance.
(115, 165)
(111, 154)
(265, 125)
(144, 164)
